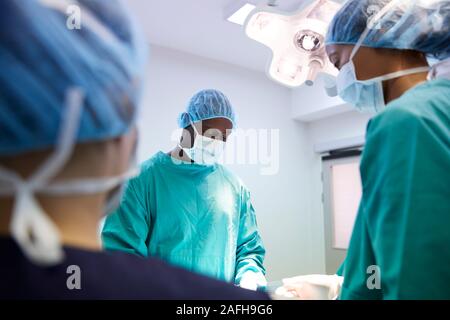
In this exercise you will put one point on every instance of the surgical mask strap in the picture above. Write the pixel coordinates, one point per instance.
(33, 230)
(89, 186)
(66, 141)
(195, 131)
(397, 74)
(369, 26)
(56, 161)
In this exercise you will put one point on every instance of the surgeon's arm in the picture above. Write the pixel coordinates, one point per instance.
(128, 227)
(360, 266)
(403, 197)
(361, 270)
(250, 272)
(387, 172)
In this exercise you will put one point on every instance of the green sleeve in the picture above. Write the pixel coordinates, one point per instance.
(360, 254)
(402, 225)
(359, 258)
(250, 250)
(340, 271)
(127, 229)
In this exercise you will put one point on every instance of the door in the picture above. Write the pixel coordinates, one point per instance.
(341, 196)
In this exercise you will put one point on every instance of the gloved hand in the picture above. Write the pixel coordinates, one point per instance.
(312, 287)
(253, 280)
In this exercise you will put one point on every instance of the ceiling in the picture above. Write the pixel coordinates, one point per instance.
(199, 27)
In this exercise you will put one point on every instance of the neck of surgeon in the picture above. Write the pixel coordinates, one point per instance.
(404, 60)
(75, 216)
(395, 88)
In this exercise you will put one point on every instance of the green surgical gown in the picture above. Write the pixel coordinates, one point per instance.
(193, 216)
(403, 223)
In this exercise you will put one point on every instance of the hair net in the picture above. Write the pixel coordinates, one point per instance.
(207, 104)
(421, 25)
(41, 58)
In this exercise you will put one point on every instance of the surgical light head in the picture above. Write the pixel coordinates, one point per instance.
(308, 41)
(297, 41)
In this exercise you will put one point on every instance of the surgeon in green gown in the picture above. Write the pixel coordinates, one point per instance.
(400, 245)
(187, 209)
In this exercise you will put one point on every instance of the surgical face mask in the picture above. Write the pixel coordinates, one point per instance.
(30, 226)
(206, 151)
(366, 95)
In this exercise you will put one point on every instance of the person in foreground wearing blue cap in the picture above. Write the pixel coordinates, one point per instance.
(187, 209)
(68, 101)
(400, 245)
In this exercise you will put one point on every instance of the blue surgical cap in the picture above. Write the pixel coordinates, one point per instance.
(420, 25)
(42, 57)
(207, 104)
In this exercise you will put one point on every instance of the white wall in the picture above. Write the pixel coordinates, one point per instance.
(288, 210)
(312, 103)
(345, 125)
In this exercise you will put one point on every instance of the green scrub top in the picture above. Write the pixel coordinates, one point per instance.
(403, 223)
(194, 216)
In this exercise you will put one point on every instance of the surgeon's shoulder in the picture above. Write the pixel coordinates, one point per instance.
(153, 162)
(425, 101)
(394, 117)
(416, 109)
(146, 172)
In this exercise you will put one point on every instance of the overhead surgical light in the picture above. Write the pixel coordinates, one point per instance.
(308, 41)
(297, 42)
